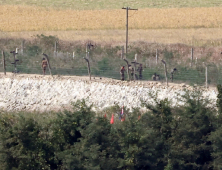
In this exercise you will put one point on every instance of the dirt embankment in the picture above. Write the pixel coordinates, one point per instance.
(47, 93)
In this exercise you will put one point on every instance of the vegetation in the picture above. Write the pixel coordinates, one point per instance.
(114, 4)
(26, 18)
(165, 137)
(105, 61)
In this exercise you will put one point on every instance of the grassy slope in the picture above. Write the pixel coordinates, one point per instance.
(113, 4)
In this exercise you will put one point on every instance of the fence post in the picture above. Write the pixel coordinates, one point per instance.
(88, 65)
(47, 58)
(191, 57)
(73, 55)
(3, 62)
(156, 56)
(165, 71)
(55, 50)
(22, 47)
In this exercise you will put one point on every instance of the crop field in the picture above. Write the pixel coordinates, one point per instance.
(189, 22)
(23, 18)
(113, 4)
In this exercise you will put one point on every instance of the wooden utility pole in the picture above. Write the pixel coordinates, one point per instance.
(165, 71)
(127, 9)
(3, 62)
(47, 58)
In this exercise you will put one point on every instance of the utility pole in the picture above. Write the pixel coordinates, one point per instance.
(127, 8)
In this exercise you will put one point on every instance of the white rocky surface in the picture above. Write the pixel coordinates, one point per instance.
(44, 93)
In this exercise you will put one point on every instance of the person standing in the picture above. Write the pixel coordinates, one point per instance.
(122, 70)
(44, 65)
(140, 69)
(154, 77)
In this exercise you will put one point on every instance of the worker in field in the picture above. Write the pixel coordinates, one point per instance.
(44, 65)
(122, 70)
(140, 69)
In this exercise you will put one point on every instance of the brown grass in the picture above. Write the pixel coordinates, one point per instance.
(25, 18)
(195, 37)
(153, 25)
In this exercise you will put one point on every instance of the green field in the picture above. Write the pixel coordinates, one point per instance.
(113, 4)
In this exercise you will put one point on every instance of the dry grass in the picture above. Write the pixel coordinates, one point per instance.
(24, 18)
(195, 37)
(113, 4)
(153, 25)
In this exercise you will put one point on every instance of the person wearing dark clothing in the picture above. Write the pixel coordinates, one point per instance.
(140, 69)
(122, 70)
(154, 77)
(44, 65)
(132, 73)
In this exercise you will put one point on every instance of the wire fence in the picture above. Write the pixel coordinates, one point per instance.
(106, 62)
(194, 75)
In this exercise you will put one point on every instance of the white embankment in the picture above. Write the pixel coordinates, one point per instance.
(25, 92)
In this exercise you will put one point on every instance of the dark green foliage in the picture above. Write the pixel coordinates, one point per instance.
(191, 148)
(219, 98)
(168, 55)
(47, 41)
(33, 50)
(163, 138)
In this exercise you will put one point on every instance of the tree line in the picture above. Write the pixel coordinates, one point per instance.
(163, 138)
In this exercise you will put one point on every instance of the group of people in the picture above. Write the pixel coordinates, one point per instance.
(132, 72)
(155, 77)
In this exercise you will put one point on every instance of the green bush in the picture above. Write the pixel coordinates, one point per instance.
(165, 137)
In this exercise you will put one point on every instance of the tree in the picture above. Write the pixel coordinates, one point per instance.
(191, 147)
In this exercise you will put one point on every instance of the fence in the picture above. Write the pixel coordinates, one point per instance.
(191, 70)
(182, 75)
